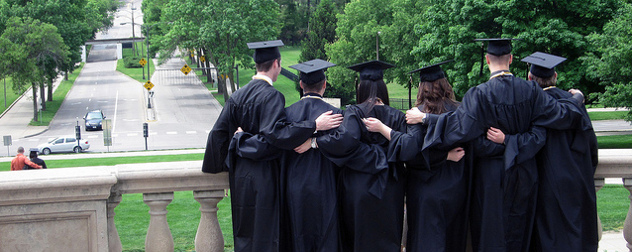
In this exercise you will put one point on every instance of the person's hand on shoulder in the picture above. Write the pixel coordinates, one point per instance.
(328, 120)
(414, 116)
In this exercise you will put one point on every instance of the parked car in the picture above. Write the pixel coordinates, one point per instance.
(63, 144)
(94, 120)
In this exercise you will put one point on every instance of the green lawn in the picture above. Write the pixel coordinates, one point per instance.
(8, 92)
(607, 115)
(135, 73)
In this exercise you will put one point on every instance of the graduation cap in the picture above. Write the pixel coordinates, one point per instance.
(543, 64)
(431, 73)
(266, 50)
(312, 71)
(371, 70)
(34, 150)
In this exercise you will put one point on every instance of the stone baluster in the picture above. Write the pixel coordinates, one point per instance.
(627, 225)
(209, 236)
(599, 183)
(158, 234)
(114, 241)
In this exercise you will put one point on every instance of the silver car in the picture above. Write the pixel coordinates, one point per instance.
(63, 144)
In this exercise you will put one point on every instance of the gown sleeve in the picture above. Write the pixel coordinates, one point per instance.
(562, 114)
(217, 143)
(524, 146)
(345, 148)
(277, 130)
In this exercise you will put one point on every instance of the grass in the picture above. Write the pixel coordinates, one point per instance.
(11, 96)
(58, 98)
(607, 115)
(615, 142)
(135, 73)
(612, 206)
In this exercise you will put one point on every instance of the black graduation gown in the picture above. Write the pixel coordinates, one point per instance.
(254, 170)
(371, 190)
(504, 184)
(309, 179)
(39, 162)
(566, 215)
(512, 105)
(437, 192)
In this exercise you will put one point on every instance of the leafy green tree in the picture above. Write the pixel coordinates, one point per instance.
(294, 26)
(30, 47)
(230, 25)
(357, 29)
(321, 32)
(611, 62)
(558, 27)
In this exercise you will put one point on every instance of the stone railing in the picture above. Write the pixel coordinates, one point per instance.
(72, 209)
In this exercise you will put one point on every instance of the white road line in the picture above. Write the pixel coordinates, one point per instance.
(191, 132)
(172, 132)
(132, 134)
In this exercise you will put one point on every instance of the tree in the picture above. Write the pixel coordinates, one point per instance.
(548, 26)
(356, 30)
(30, 45)
(321, 32)
(611, 62)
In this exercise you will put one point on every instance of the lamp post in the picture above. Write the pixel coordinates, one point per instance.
(377, 45)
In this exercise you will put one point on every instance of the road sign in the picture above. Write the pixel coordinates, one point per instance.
(7, 140)
(107, 132)
(148, 85)
(142, 62)
(202, 58)
(185, 69)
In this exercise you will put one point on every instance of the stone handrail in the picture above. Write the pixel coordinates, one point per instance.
(72, 209)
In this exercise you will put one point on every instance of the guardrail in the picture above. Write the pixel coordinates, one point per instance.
(72, 209)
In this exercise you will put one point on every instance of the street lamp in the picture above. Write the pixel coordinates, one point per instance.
(133, 29)
(377, 45)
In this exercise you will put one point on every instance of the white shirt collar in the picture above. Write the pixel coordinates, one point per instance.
(263, 77)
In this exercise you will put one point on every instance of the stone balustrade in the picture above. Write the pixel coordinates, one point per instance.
(72, 209)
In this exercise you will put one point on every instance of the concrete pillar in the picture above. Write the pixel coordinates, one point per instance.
(209, 236)
(119, 51)
(158, 234)
(114, 241)
(83, 53)
(599, 183)
(627, 225)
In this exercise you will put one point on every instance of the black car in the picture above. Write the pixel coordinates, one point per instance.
(94, 120)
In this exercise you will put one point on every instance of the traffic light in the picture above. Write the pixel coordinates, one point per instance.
(78, 132)
(145, 130)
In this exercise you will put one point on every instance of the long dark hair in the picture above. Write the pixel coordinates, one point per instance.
(435, 96)
(371, 91)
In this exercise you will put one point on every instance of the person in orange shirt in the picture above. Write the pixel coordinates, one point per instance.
(20, 160)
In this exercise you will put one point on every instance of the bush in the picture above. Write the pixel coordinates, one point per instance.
(132, 61)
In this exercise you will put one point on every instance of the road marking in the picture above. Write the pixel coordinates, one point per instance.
(132, 134)
(191, 132)
(130, 120)
(153, 133)
(115, 110)
(172, 132)
(89, 100)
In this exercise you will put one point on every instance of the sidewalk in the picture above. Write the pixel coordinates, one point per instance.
(15, 120)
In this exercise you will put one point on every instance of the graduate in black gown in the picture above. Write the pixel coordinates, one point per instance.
(566, 213)
(311, 200)
(371, 189)
(258, 109)
(513, 106)
(438, 182)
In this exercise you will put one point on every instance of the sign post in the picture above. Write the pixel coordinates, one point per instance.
(7, 143)
(142, 63)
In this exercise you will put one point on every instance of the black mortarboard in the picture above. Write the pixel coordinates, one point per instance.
(543, 64)
(431, 73)
(266, 50)
(34, 150)
(371, 70)
(312, 71)
(498, 46)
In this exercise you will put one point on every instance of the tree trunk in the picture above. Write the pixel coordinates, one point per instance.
(42, 94)
(50, 90)
(232, 81)
(66, 75)
(34, 87)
